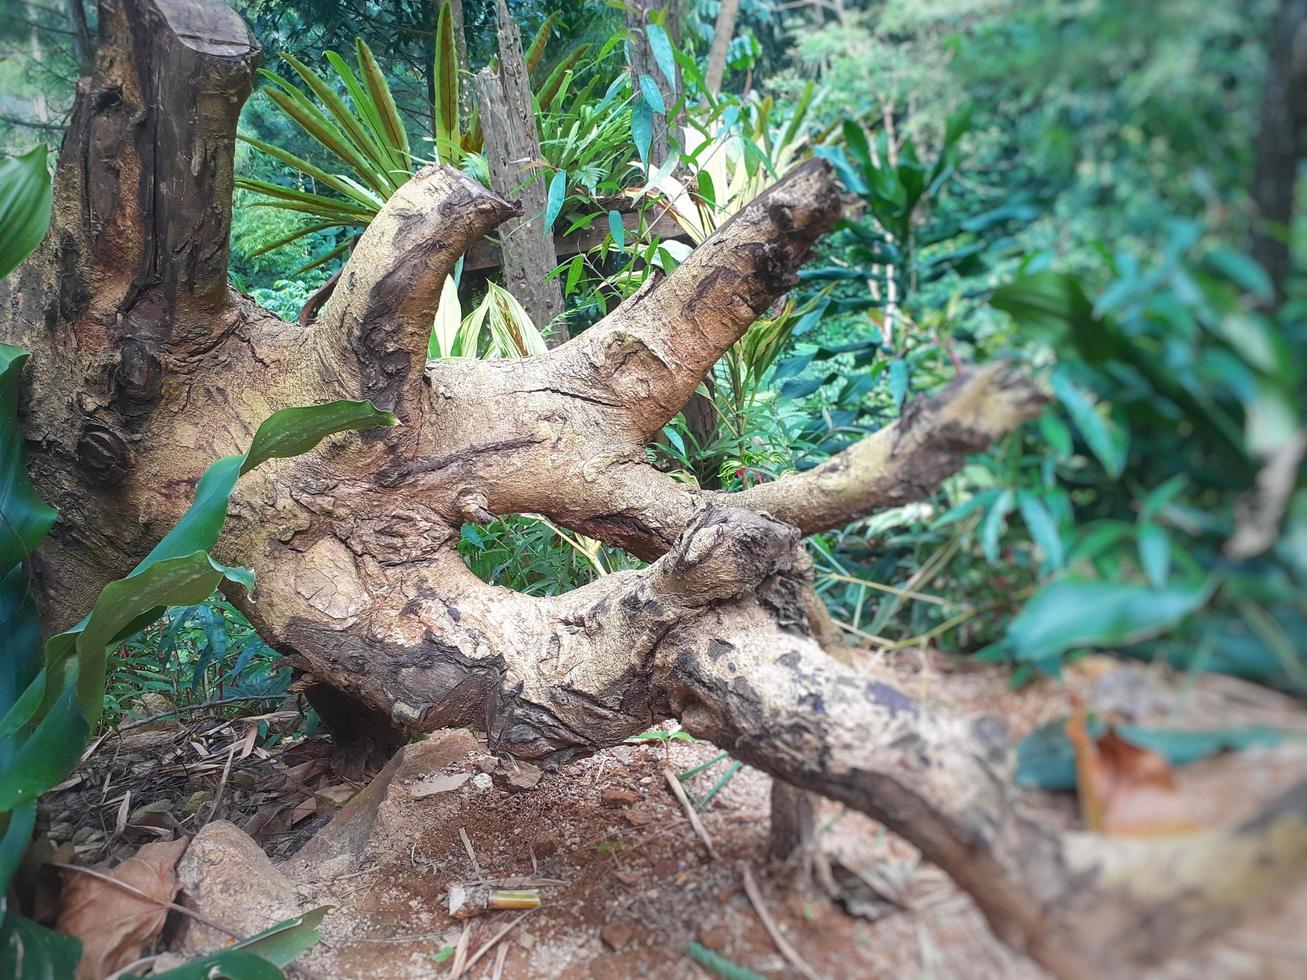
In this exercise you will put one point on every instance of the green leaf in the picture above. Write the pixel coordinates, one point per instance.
(1154, 554)
(383, 105)
(537, 49)
(344, 187)
(46, 756)
(642, 128)
(899, 374)
(15, 834)
(1042, 527)
(32, 952)
(617, 229)
(1242, 270)
(1106, 440)
(991, 528)
(649, 89)
(1053, 307)
(228, 964)
(446, 109)
(660, 46)
(719, 965)
(24, 517)
(25, 199)
(280, 944)
(1075, 613)
(554, 202)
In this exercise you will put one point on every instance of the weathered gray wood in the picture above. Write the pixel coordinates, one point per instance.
(512, 149)
(485, 254)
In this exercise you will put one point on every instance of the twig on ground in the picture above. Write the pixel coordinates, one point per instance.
(222, 784)
(688, 807)
(789, 952)
(471, 854)
(460, 953)
(494, 939)
(186, 709)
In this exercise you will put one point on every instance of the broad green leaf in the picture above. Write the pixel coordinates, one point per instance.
(1075, 614)
(228, 964)
(47, 755)
(280, 944)
(649, 89)
(1154, 553)
(24, 517)
(1053, 307)
(642, 128)
(1243, 270)
(32, 952)
(660, 46)
(25, 199)
(993, 525)
(15, 834)
(1104, 437)
(554, 203)
(1042, 527)
(617, 229)
(899, 375)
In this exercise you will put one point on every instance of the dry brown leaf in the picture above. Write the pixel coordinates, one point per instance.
(1125, 789)
(113, 923)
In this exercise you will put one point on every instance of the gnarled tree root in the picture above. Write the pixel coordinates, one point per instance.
(147, 366)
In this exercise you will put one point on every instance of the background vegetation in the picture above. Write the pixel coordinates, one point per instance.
(1063, 184)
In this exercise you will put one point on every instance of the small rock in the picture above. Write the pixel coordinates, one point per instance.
(482, 781)
(622, 754)
(616, 935)
(525, 776)
(638, 817)
(526, 940)
(487, 763)
(714, 939)
(618, 798)
(432, 785)
(546, 847)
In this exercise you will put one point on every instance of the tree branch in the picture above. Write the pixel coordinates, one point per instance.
(372, 333)
(654, 349)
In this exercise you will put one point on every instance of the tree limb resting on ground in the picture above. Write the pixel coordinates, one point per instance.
(147, 366)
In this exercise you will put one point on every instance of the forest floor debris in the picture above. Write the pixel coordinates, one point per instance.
(625, 884)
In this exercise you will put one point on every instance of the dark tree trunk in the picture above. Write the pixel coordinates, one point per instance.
(1281, 140)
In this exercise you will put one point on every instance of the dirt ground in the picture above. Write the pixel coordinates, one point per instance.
(625, 882)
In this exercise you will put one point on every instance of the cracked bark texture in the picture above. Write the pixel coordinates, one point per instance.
(147, 366)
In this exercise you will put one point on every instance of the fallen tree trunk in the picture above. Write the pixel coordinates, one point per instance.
(147, 366)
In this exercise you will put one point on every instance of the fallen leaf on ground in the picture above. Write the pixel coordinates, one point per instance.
(115, 924)
(1125, 789)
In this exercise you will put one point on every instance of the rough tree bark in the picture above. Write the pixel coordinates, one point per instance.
(147, 366)
(1281, 140)
(513, 152)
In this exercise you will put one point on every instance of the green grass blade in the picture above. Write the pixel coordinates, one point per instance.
(310, 170)
(383, 103)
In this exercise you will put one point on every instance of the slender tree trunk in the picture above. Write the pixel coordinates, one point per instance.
(83, 49)
(1281, 140)
(723, 31)
(643, 63)
(513, 151)
(147, 367)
